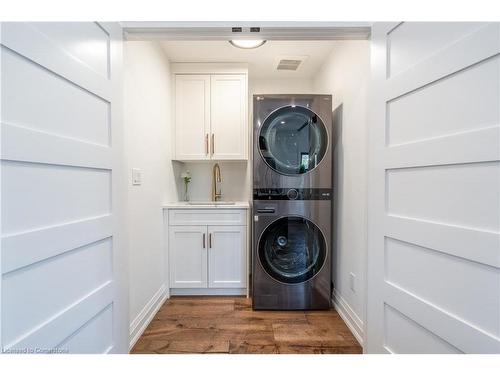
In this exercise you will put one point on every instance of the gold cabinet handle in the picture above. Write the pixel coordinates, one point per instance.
(204, 243)
(210, 240)
(206, 144)
(213, 143)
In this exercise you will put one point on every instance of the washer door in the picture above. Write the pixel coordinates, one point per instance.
(292, 250)
(293, 140)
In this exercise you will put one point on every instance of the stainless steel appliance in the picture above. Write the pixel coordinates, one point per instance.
(291, 258)
(292, 202)
(292, 141)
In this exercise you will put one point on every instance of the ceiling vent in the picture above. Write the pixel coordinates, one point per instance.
(290, 62)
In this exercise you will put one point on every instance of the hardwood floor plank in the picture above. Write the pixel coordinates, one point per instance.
(253, 347)
(229, 325)
(308, 334)
(179, 347)
(318, 349)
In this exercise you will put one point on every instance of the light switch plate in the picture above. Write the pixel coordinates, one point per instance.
(136, 176)
(352, 281)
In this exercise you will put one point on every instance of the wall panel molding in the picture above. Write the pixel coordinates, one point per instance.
(449, 239)
(17, 249)
(457, 148)
(480, 45)
(55, 330)
(29, 145)
(27, 41)
(463, 335)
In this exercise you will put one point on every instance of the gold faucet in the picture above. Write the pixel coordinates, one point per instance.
(216, 178)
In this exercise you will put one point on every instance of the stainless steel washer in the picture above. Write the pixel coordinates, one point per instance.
(291, 253)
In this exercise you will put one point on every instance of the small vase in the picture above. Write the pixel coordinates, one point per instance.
(186, 192)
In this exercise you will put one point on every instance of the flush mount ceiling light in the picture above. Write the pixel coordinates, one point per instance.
(247, 43)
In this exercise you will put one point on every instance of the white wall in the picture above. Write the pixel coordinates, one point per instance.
(280, 86)
(345, 75)
(147, 146)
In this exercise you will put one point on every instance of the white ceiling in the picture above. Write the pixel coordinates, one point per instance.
(262, 61)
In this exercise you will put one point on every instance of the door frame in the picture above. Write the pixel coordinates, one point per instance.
(269, 30)
(119, 183)
(374, 267)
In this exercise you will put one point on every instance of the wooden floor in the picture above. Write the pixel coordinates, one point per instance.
(229, 325)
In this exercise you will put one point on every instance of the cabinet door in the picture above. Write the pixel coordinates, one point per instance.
(192, 117)
(227, 266)
(228, 117)
(188, 256)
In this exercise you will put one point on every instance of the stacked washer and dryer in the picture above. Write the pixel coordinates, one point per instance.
(292, 202)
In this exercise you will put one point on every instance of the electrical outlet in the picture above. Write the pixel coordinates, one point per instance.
(352, 282)
(136, 176)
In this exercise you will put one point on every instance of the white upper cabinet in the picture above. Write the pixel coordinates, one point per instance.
(192, 117)
(228, 116)
(211, 117)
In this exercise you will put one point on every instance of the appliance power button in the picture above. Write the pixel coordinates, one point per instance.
(292, 194)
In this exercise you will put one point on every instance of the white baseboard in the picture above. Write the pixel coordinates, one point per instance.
(208, 291)
(141, 321)
(350, 318)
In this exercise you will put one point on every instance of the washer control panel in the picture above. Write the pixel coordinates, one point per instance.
(292, 194)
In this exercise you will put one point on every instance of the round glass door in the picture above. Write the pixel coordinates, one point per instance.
(292, 250)
(293, 140)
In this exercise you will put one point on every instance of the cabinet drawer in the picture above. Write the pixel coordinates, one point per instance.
(207, 217)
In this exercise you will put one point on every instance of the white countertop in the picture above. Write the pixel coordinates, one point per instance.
(193, 204)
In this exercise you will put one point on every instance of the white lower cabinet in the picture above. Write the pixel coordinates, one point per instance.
(226, 256)
(188, 256)
(211, 257)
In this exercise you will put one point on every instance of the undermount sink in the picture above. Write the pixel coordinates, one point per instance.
(210, 203)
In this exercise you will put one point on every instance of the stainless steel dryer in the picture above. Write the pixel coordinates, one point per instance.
(292, 141)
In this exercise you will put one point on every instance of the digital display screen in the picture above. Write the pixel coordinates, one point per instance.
(304, 162)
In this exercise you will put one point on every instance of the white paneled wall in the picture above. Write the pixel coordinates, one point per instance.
(399, 328)
(148, 148)
(432, 118)
(407, 49)
(47, 114)
(63, 258)
(434, 253)
(86, 42)
(345, 75)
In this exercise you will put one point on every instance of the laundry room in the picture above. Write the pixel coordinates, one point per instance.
(204, 191)
(281, 187)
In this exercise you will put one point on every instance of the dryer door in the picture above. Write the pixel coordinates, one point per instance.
(292, 250)
(293, 140)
